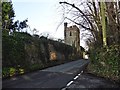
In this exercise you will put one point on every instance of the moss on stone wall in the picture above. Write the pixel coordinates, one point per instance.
(28, 53)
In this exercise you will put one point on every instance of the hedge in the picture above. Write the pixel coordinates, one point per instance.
(105, 62)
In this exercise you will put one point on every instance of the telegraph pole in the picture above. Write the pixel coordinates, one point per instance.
(102, 5)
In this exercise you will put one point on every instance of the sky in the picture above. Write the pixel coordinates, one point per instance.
(43, 15)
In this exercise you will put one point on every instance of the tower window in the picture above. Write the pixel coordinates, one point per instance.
(70, 34)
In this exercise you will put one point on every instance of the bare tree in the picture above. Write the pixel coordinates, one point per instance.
(90, 18)
(86, 18)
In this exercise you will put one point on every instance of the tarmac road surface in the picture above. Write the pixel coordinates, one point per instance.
(53, 77)
(69, 76)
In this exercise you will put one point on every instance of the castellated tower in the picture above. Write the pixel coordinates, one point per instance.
(72, 36)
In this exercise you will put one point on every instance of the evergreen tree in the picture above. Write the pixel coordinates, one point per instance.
(8, 15)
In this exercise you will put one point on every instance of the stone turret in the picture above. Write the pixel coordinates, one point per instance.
(72, 36)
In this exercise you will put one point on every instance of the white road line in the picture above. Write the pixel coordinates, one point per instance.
(79, 74)
(69, 83)
(81, 71)
(63, 88)
(76, 77)
(72, 81)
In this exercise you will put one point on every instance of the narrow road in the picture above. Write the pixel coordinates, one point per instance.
(88, 80)
(69, 68)
(53, 77)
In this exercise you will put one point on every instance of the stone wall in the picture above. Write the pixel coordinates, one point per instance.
(72, 36)
(33, 53)
(23, 53)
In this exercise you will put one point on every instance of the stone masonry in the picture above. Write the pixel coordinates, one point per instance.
(72, 36)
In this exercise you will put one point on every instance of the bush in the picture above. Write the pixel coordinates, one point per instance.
(13, 51)
(105, 62)
(5, 72)
(11, 71)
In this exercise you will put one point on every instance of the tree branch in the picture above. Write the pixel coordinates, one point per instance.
(78, 24)
(73, 5)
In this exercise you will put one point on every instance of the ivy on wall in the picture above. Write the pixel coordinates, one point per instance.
(24, 53)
